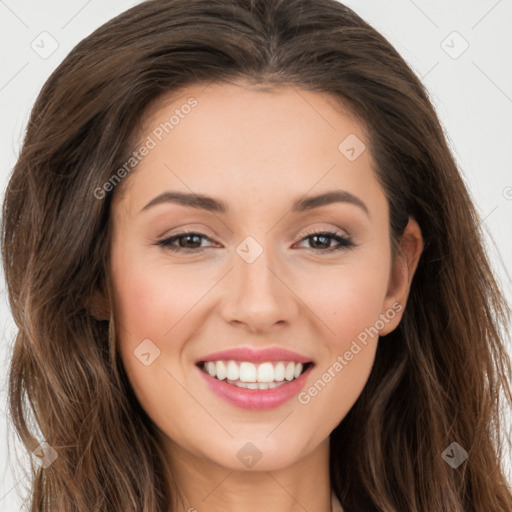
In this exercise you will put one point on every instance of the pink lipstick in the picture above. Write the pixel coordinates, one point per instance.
(255, 379)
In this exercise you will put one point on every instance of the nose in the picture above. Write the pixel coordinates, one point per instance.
(258, 294)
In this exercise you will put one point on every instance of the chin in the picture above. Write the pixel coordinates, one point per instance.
(257, 453)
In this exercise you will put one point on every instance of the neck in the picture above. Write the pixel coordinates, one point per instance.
(204, 486)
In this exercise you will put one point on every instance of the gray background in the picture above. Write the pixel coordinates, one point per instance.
(471, 89)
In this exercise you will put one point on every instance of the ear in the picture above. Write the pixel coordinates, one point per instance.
(98, 304)
(402, 272)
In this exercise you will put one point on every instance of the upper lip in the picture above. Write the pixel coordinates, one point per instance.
(255, 356)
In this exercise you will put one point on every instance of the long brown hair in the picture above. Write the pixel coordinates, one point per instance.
(439, 378)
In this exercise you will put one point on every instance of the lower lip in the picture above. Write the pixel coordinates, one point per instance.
(256, 398)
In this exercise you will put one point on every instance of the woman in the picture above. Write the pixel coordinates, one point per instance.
(247, 274)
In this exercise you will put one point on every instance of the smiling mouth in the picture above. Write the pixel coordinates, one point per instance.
(245, 374)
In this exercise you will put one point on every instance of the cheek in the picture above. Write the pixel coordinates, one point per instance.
(347, 299)
(149, 299)
(146, 309)
(143, 311)
(154, 301)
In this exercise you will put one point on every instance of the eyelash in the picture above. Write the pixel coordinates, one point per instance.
(344, 242)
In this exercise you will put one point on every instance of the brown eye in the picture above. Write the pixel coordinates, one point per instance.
(187, 241)
(321, 241)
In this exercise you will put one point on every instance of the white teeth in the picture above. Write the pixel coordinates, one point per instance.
(254, 376)
(279, 372)
(247, 372)
(221, 370)
(290, 371)
(211, 368)
(232, 372)
(265, 372)
(255, 385)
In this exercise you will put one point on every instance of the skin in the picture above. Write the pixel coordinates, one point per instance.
(258, 151)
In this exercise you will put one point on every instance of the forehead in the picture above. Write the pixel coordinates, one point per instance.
(250, 109)
(236, 139)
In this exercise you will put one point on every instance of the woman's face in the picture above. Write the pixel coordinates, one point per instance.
(251, 274)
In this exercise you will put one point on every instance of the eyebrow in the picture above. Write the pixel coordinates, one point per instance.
(211, 204)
